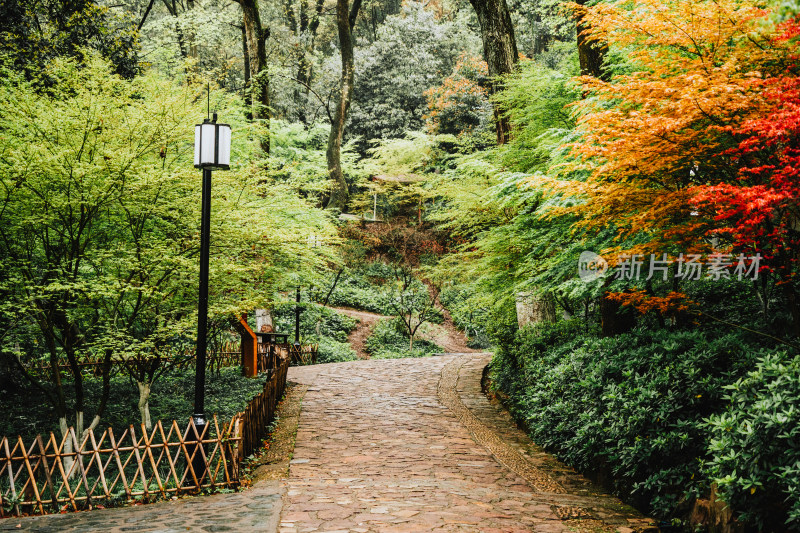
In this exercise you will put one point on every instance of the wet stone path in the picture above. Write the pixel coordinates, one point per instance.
(405, 445)
(412, 445)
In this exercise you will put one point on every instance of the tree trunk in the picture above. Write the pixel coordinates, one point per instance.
(144, 403)
(499, 51)
(68, 448)
(790, 294)
(344, 21)
(248, 96)
(615, 320)
(256, 37)
(590, 53)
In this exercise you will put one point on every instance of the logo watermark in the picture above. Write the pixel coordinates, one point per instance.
(592, 266)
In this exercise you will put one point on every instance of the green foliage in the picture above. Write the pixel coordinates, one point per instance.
(297, 159)
(390, 341)
(364, 287)
(315, 321)
(413, 51)
(100, 215)
(631, 406)
(333, 351)
(460, 105)
(538, 100)
(32, 34)
(469, 315)
(753, 448)
(227, 393)
(318, 325)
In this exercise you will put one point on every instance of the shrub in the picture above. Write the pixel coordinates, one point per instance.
(331, 324)
(331, 351)
(468, 317)
(388, 341)
(629, 407)
(755, 445)
(363, 288)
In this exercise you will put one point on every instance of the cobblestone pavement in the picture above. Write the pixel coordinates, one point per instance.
(412, 445)
(254, 510)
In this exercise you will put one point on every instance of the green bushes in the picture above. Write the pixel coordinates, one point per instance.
(332, 351)
(314, 318)
(755, 444)
(631, 407)
(227, 393)
(467, 316)
(388, 341)
(333, 329)
(364, 288)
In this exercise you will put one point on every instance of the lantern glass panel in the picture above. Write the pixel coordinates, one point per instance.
(197, 145)
(224, 145)
(207, 140)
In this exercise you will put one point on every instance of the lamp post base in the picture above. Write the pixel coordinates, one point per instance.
(197, 451)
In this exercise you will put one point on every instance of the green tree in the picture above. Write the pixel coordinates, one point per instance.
(413, 52)
(99, 210)
(33, 33)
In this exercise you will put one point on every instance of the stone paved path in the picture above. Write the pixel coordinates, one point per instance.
(406, 445)
(255, 510)
(397, 446)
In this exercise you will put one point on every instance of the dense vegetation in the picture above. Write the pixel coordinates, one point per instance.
(475, 156)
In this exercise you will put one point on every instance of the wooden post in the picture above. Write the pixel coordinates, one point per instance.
(249, 348)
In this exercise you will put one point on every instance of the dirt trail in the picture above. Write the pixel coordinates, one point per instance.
(366, 322)
(445, 335)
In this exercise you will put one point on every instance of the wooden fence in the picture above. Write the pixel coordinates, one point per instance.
(260, 412)
(303, 355)
(76, 473)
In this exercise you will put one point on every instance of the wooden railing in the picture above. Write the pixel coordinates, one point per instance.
(260, 412)
(303, 355)
(79, 472)
(75, 473)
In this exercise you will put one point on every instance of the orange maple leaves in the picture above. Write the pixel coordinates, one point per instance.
(650, 135)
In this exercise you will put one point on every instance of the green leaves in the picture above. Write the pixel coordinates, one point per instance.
(632, 405)
(100, 215)
(755, 444)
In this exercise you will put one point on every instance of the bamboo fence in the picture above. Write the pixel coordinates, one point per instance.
(80, 472)
(303, 355)
(260, 412)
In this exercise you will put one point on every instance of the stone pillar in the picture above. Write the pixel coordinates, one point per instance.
(533, 308)
(264, 318)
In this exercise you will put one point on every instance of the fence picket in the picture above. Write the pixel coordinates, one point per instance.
(11, 476)
(48, 477)
(149, 452)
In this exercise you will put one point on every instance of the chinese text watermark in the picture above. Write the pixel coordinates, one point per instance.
(592, 266)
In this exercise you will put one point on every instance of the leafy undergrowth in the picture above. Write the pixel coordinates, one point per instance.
(388, 341)
(319, 325)
(227, 392)
(663, 415)
(365, 288)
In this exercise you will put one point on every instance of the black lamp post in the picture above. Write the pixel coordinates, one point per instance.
(212, 150)
(297, 324)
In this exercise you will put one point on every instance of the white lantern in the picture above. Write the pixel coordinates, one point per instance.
(212, 145)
